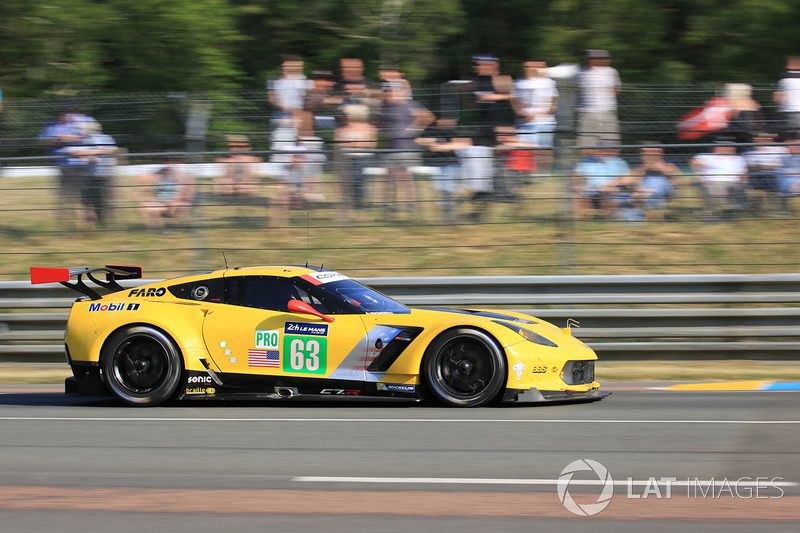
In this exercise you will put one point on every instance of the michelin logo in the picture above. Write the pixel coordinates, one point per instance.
(396, 388)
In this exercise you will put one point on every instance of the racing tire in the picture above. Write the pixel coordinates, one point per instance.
(142, 366)
(464, 368)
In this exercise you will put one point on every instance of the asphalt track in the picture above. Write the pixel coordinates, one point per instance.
(70, 464)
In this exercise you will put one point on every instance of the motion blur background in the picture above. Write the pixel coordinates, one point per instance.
(182, 77)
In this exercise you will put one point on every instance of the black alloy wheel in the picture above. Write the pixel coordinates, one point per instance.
(142, 366)
(465, 368)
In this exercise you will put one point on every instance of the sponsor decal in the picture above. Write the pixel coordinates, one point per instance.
(538, 369)
(306, 355)
(268, 339)
(199, 379)
(319, 278)
(394, 387)
(106, 307)
(263, 358)
(197, 390)
(519, 368)
(345, 392)
(148, 293)
(300, 328)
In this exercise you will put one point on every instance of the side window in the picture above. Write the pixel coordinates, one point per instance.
(267, 293)
(208, 290)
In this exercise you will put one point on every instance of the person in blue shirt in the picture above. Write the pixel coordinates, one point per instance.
(597, 180)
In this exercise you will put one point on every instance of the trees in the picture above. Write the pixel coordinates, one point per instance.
(73, 46)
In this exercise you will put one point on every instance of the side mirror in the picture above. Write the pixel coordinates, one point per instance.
(299, 306)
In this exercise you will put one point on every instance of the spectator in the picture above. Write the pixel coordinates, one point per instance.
(722, 176)
(402, 120)
(597, 179)
(165, 195)
(320, 108)
(288, 93)
(396, 80)
(764, 163)
(597, 113)
(97, 151)
(789, 173)
(535, 101)
(787, 97)
(354, 135)
(746, 117)
(443, 140)
(492, 93)
(516, 160)
(239, 169)
(64, 136)
(352, 87)
(654, 179)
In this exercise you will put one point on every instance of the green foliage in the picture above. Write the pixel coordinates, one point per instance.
(65, 47)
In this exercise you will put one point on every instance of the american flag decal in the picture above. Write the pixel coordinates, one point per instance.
(264, 358)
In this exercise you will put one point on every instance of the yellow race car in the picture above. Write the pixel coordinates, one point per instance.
(288, 331)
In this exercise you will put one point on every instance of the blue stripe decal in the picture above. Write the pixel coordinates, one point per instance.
(782, 386)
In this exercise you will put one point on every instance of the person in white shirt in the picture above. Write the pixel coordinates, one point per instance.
(597, 114)
(722, 175)
(535, 101)
(288, 93)
(788, 94)
(764, 163)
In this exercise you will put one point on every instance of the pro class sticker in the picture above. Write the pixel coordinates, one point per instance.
(268, 339)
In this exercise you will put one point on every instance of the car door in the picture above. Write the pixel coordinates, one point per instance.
(256, 334)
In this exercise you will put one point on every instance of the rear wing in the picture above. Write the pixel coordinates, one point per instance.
(63, 275)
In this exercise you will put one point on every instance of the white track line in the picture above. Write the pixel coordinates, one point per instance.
(397, 420)
(548, 482)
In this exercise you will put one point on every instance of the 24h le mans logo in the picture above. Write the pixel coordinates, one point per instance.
(589, 509)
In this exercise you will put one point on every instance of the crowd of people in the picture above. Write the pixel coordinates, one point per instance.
(378, 139)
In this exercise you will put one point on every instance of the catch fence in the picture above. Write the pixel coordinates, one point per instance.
(314, 200)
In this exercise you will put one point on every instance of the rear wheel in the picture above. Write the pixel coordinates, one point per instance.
(142, 366)
(465, 367)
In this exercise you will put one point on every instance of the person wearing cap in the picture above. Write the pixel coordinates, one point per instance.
(239, 174)
(597, 113)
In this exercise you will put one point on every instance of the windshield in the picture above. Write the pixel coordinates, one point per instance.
(346, 296)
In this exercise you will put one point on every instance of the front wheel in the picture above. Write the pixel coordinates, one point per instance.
(465, 368)
(142, 366)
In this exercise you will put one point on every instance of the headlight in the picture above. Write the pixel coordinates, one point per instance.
(527, 334)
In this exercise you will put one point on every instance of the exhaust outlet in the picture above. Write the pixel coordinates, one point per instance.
(286, 392)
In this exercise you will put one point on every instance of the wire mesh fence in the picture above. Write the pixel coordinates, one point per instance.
(195, 174)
